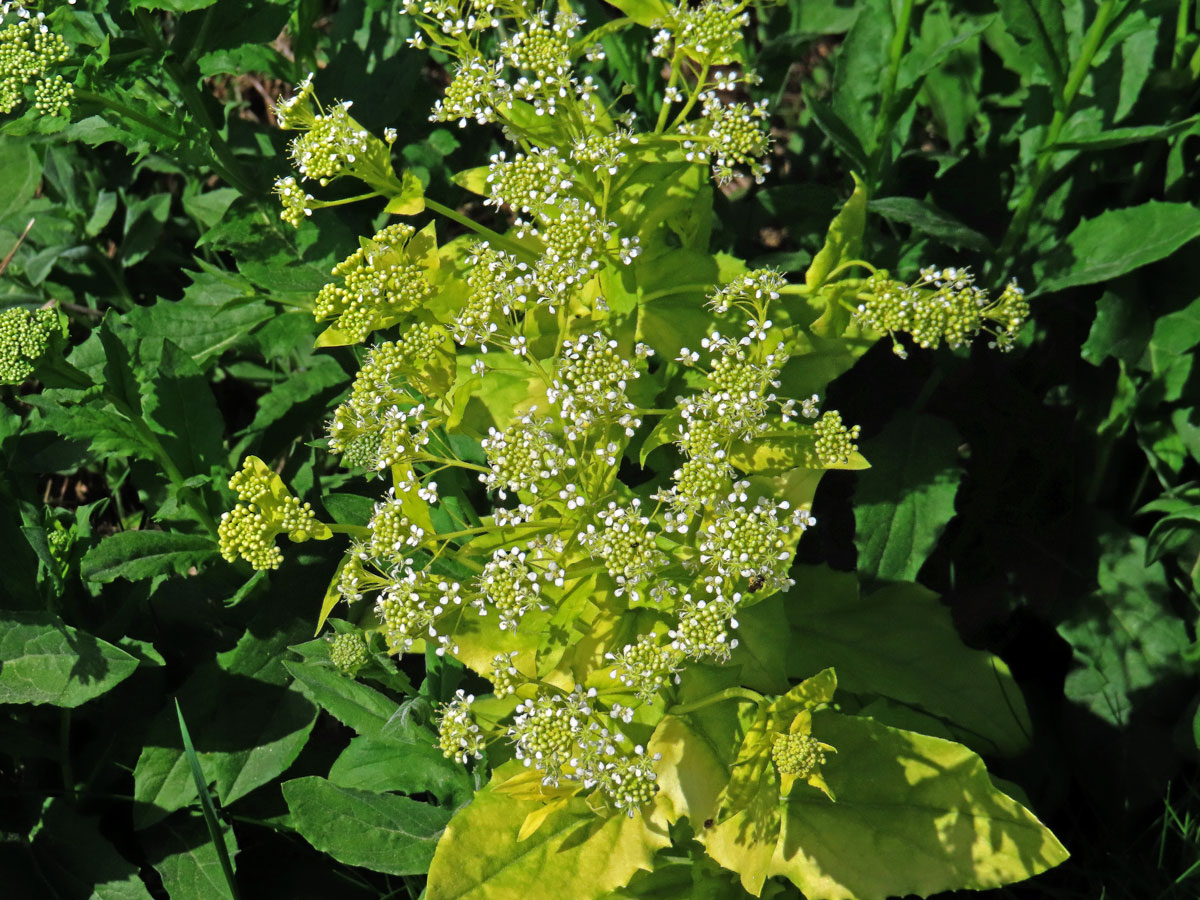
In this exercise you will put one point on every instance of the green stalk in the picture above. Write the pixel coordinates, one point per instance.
(1181, 33)
(1025, 206)
(732, 693)
(493, 237)
(887, 116)
(128, 112)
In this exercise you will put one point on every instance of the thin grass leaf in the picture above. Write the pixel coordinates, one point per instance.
(206, 804)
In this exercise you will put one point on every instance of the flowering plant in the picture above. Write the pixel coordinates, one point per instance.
(601, 445)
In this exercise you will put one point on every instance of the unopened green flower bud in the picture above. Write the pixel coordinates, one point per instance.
(24, 336)
(348, 651)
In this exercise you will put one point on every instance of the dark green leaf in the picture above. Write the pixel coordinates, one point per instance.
(382, 832)
(1100, 249)
(925, 218)
(43, 660)
(136, 555)
(907, 496)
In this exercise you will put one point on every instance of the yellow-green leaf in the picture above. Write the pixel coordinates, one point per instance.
(914, 815)
(844, 239)
(473, 180)
(573, 854)
(410, 200)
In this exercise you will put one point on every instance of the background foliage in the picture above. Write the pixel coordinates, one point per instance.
(1046, 499)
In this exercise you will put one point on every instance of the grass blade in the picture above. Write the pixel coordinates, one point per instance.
(206, 803)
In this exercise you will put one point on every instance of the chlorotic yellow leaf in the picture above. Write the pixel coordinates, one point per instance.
(332, 596)
(473, 180)
(410, 200)
(914, 815)
(573, 854)
(537, 818)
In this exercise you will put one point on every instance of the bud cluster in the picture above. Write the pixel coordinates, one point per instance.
(29, 51)
(941, 305)
(265, 510)
(24, 336)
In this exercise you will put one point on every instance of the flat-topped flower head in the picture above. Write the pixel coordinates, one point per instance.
(704, 631)
(296, 201)
(710, 32)
(623, 539)
(732, 138)
(265, 511)
(543, 48)
(412, 606)
(646, 666)
(529, 182)
(393, 535)
(476, 92)
(332, 142)
(507, 586)
(750, 541)
(524, 456)
(590, 381)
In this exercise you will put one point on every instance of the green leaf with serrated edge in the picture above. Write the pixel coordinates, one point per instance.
(871, 639)
(382, 832)
(1099, 249)
(137, 555)
(582, 855)
(905, 499)
(844, 239)
(836, 130)
(333, 596)
(861, 70)
(787, 446)
(1112, 138)
(665, 431)
(186, 859)
(393, 765)
(351, 702)
(927, 819)
(753, 756)
(43, 660)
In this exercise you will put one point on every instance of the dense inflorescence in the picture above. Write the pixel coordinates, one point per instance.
(29, 52)
(24, 336)
(510, 368)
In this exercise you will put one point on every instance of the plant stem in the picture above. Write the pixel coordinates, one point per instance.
(732, 693)
(1181, 33)
(128, 112)
(887, 116)
(1025, 206)
(493, 237)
